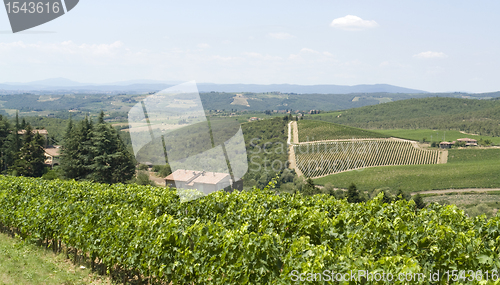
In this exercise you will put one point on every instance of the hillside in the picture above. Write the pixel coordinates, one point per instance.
(311, 130)
(472, 116)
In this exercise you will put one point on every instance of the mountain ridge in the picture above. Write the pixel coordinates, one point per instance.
(63, 84)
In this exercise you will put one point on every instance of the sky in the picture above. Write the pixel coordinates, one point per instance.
(436, 46)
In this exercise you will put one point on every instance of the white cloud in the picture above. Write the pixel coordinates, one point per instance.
(308, 50)
(430, 54)
(353, 23)
(281, 36)
(257, 55)
(203, 45)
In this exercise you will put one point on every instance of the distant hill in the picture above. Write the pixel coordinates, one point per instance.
(62, 84)
(306, 89)
(471, 116)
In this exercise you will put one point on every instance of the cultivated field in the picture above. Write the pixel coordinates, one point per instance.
(466, 168)
(435, 135)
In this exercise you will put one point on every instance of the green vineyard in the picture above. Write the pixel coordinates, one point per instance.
(324, 158)
(254, 237)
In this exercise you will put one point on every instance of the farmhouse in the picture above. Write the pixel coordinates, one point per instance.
(468, 142)
(52, 155)
(445, 144)
(207, 182)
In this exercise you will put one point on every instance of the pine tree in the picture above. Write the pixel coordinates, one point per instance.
(112, 163)
(96, 153)
(30, 161)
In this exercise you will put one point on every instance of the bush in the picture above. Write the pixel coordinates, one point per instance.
(142, 167)
(50, 175)
(143, 179)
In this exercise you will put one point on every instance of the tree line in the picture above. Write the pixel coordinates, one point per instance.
(90, 151)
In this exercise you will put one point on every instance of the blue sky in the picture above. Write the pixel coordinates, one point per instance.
(436, 46)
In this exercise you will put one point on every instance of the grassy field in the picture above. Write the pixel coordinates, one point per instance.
(466, 168)
(22, 263)
(434, 135)
(311, 130)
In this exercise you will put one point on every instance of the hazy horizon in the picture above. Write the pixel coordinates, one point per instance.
(433, 46)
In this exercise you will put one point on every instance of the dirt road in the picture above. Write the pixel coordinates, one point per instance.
(479, 190)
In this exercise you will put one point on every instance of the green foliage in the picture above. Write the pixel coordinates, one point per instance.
(254, 237)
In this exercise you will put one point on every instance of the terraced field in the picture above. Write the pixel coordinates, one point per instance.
(318, 159)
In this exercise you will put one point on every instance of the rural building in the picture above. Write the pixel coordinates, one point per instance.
(52, 155)
(253, 119)
(445, 144)
(468, 142)
(207, 182)
(42, 132)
